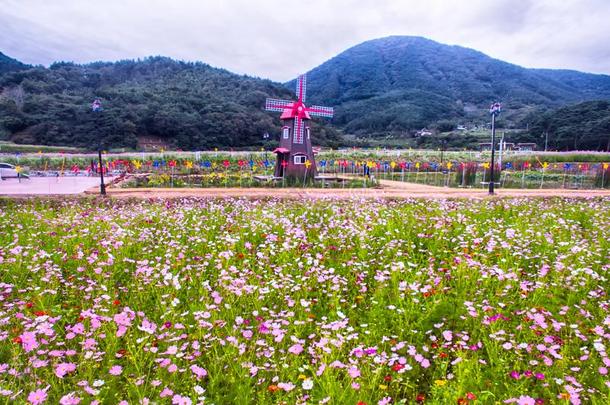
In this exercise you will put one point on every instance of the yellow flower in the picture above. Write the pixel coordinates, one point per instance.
(302, 376)
(383, 387)
(440, 383)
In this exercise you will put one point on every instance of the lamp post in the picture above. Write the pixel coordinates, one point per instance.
(96, 106)
(493, 110)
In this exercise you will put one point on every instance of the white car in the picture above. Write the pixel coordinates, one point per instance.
(8, 171)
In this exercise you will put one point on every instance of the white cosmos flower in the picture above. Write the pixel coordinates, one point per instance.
(307, 384)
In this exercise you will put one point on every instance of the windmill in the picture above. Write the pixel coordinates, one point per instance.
(295, 158)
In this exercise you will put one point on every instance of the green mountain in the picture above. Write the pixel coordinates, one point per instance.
(382, 89)
(9, 64)
(186, 105)
(397, 84)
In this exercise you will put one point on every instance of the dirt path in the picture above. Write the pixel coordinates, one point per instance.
(388, 189)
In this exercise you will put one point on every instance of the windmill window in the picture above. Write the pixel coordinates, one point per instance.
(307, 129)
(285, 132)
(300, 159)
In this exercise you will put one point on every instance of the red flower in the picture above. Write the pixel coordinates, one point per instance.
(17, 340)
(420, 397)
(361, 403)
(387, 378)
(40, 313)
(470, 396)
(397, 367)
(29, 305)
(116, 303)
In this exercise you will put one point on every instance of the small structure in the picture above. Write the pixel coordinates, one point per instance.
(526, 147)
(152, 144)
(423, 132)
(295, 156)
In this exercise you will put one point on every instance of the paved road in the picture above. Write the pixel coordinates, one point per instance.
(389, 189)
(47, 185)
(405, 191)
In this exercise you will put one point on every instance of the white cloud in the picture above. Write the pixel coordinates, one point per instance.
(279, 39)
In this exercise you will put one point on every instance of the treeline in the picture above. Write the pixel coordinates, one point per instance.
(188, 105)
(584, 126)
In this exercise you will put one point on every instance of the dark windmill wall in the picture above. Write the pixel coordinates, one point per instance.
(292, 170)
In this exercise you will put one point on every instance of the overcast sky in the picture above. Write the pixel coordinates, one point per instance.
(279, 39)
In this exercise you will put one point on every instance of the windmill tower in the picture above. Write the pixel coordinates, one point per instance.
(295, 158)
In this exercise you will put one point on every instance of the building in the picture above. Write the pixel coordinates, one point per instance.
(526, 147)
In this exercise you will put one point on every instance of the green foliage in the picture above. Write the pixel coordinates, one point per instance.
(9, 64)
(188, 105)
(399, 84)
(584, 126)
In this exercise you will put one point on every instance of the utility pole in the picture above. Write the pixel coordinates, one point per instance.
(546, 140)
(493, 110)
(501, 150)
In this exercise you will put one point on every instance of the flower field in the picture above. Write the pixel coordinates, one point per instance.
(327, 301)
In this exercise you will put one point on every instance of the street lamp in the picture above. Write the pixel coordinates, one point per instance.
(494, 110)
(96, 106)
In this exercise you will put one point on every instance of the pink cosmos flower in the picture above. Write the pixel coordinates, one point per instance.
(115, 370)
(286, 386)
(166, 393)
(64, 368)
(522, 400)
(385, 401)
(147, 326)
(28, 340)
(353, 372)
(200, 372)
(180, 400)
(69, 399)
(89, 344)
(295, 349)
(37, 397)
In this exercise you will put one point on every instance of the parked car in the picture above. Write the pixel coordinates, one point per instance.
(7, 170)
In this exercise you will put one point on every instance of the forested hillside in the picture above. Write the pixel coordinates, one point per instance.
(382, 89)
(396, 84)
(584, 126)
(188, 105)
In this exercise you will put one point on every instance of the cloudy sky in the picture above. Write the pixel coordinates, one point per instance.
(279, 39)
